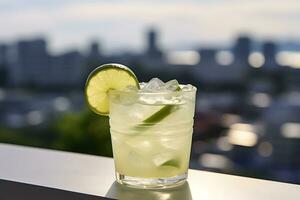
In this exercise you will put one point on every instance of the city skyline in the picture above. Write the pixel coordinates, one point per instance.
(28, 62)
(285, 54)
(72, 24)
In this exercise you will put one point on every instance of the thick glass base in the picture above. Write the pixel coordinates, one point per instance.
(151, 183)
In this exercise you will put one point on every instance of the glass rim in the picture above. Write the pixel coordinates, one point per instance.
(139, 92)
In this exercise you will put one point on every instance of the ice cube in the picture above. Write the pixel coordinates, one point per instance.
(153, 85)
(129, 96)
(170, 144)
(187, 88)
(135, 157)
(137, 161)
(142, 84)
(156, 85)
(143, 145)
(162, 158)
(131, 88)
(171, 86)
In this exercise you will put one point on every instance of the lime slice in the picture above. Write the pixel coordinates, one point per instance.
(157, 116)
(172, 163)
(104, 78)
(162, 113)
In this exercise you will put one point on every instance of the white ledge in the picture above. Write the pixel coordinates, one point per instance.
(95, 175)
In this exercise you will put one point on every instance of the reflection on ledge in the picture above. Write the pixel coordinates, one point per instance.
(122, 192)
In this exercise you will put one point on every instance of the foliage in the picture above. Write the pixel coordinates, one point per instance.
(84, 133)
(15, 137)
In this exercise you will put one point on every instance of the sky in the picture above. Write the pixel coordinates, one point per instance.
(121, 24)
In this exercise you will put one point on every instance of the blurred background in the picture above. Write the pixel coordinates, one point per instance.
(244, 58)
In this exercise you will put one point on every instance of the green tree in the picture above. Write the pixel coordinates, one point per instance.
(84, 133)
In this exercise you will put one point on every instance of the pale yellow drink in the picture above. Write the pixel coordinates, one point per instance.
(151, 136)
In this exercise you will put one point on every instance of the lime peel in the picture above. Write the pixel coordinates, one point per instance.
(104, 78)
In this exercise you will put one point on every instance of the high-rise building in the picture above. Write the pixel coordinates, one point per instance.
(208, 57)
(211, 72)
(3, 64)
(241, 51)
(94, 51)
(269, 50)
(34, 67)
(152, 47)
(94, 58)
(31, 62)
(3, 54)
(67, 70)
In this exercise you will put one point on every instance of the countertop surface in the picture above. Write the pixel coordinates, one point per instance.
(95, 175)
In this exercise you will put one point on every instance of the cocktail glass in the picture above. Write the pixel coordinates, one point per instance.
(151, 136)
